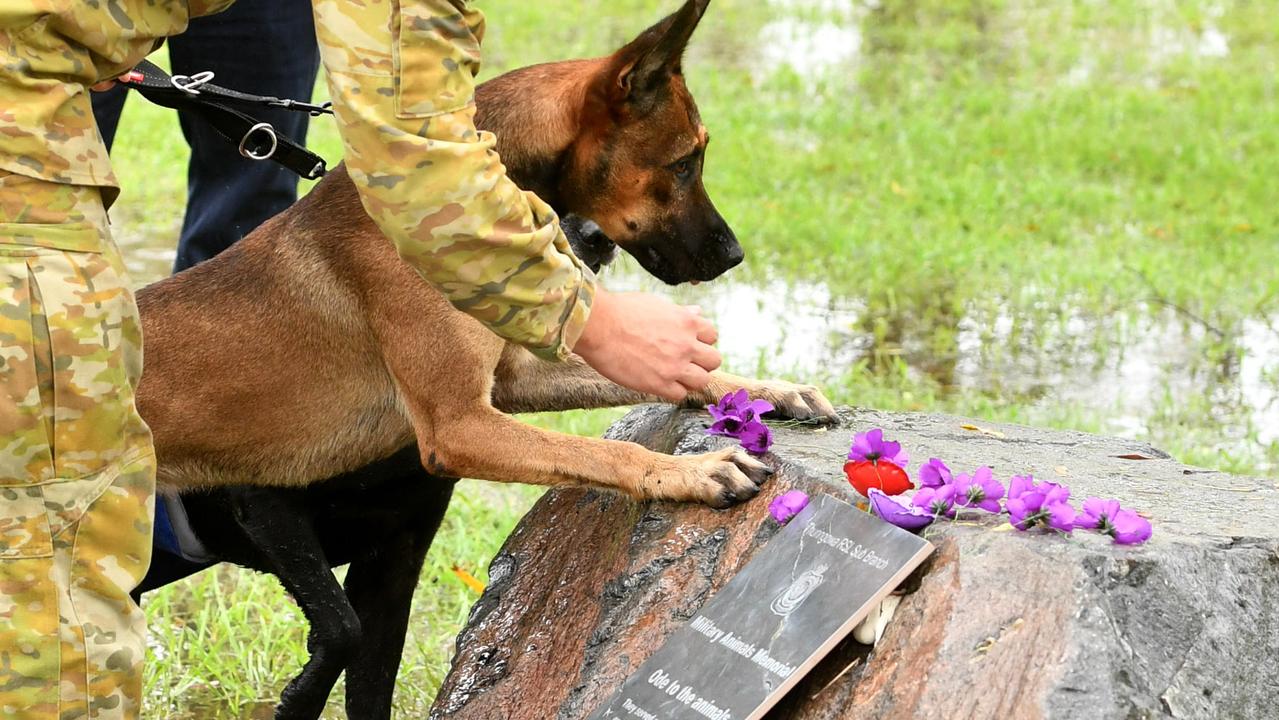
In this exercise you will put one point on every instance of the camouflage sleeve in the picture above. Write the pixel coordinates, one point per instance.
(402, 78)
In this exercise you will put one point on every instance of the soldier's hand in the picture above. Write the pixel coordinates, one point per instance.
(647, 343)
(131, 76)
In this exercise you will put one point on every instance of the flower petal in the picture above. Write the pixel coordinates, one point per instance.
(787, 505)
(756, 437)
(898, 511)
(1061, 516)
(1020, 484)
(934, 473)
(1131, 528)
(1054, 493)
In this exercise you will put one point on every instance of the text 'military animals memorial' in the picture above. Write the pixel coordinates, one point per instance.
(757, 637)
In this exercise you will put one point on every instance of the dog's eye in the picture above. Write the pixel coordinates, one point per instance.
(683, 168)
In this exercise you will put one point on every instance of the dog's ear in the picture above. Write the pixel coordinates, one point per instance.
(650, 59)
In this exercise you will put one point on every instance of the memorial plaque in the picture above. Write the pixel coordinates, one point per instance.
(757, 637)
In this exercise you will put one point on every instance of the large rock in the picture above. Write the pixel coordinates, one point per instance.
(999, 624)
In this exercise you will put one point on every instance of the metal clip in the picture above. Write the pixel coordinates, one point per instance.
(190, 84)
(325, 108)
(254, 154)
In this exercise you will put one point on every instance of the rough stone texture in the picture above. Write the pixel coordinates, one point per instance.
(999, 624)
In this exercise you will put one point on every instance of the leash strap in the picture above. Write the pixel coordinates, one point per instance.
(222, 109)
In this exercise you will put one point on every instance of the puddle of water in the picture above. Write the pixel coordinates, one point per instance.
(1123, 368)
(808, 48)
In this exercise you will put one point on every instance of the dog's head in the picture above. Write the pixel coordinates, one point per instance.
(635, 167)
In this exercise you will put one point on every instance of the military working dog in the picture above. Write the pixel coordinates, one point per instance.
(310, 394)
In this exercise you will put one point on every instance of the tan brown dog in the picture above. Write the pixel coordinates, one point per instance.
(327, 352)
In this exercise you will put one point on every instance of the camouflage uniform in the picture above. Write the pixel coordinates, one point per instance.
(76, 463)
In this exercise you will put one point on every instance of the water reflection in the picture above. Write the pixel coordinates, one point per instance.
(1128, 369)
(822, 38)
(808, 48)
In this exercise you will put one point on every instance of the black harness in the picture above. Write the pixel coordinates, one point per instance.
(225, 110)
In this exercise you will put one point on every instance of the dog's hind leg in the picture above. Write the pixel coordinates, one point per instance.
(380, 587)
(286, 545)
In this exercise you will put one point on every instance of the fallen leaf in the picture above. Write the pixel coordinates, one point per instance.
(468, 580)
(1133, 456)
(1062, 471)
(983, 431)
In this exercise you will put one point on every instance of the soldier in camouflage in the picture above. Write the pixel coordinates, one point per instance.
(76, 464)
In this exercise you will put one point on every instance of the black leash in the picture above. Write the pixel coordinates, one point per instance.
(255, 139)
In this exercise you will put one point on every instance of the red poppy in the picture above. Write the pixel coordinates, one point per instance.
(866, 474)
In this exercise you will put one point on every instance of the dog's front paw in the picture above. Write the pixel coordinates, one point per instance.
(797, 402)
(720, 479)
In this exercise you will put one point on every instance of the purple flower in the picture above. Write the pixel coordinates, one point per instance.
(936, 500)
(1019, 485)
(898, 511)
(1097, 513)
(734, 412)
(1108, 518)
(787, 505)
(934, 473)
(756, 437)
(870, 446)
(1033, 507)
(1130, 528)
(979, 490)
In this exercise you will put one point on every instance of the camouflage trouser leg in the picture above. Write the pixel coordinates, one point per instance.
(77, 470)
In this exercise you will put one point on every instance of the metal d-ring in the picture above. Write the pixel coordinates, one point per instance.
(190, 84)
(270, 133)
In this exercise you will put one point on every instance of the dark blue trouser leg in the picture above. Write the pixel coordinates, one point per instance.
(264, 47)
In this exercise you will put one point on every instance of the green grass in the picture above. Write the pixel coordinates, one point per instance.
(1053, 213)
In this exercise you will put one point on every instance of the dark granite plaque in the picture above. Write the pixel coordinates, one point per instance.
(796, 599)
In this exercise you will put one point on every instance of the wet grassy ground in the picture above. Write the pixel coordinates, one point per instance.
(1054, 213)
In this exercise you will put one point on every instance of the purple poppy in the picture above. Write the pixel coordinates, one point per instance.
(734, 412)
(756, 437)
(979, 490)
(898, 510)
(1033, 508)
(871, 447)
(934, 473)
(787, 505)
(936, 500)
(1108, 518)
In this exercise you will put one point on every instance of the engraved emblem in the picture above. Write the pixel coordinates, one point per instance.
(789, 600)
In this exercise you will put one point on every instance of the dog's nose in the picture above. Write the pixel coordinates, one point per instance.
(735, 254)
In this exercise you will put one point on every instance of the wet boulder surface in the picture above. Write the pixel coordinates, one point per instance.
(996, 624)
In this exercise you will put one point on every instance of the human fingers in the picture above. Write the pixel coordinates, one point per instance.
(673, 392)
(706, 331)
(707, 357)
(694, 378)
